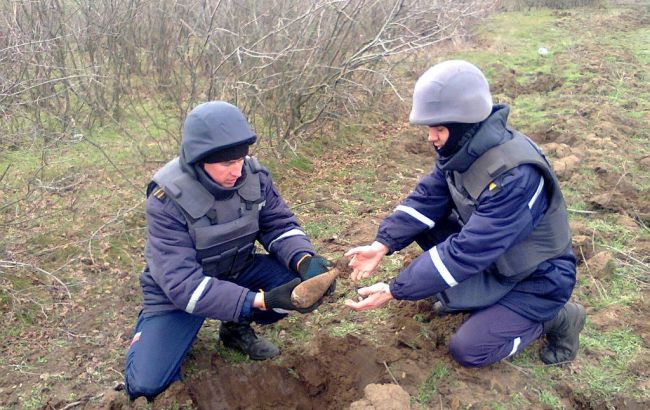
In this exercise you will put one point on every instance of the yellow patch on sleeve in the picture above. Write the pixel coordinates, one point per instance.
(492, 186)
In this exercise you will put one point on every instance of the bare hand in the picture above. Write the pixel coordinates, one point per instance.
(365, 259)
(372, 297)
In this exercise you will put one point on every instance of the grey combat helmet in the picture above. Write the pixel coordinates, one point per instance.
(450, 92)
(214, 126)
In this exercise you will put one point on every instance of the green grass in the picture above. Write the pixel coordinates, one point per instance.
(620, 289)
(549, 399)
(300, 163)
(519, 401)
(343, 328)
(429, 387)
(615, 350)
(230, 355)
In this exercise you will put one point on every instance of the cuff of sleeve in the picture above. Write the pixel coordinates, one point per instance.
(393, 290)
(247, 307)
(297, 258)
(386, 243)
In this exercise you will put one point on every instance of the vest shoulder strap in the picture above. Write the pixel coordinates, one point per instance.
(184, 190)
(497, 160)
(251, 191)
(193, 197)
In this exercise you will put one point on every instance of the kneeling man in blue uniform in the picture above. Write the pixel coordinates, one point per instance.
(493, 224)
(205, 211)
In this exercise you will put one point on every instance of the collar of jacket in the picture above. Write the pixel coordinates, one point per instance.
(490, 133)
(197, 172)
(219, 192)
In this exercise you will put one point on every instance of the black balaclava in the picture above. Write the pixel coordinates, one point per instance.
(459, 134)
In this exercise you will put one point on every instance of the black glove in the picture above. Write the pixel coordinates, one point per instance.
(280, 298)
(311, 266)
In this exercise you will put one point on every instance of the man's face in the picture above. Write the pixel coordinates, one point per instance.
(225, 173)
(438, 135)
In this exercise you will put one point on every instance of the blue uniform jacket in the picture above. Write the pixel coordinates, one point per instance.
(507, 211)
(173, 274)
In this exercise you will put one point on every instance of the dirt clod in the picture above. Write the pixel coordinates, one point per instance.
(565, 167)
(383, 397)
(601, 265)
(582, 247)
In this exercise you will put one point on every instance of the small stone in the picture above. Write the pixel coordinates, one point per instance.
(601, 265)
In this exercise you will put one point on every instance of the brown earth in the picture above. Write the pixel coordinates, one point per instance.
(329, 372)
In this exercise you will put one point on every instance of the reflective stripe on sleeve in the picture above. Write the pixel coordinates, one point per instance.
(437, 262)
(515, 346)
(539, 191)
(287, 234)
(196, 295)
(415, 214)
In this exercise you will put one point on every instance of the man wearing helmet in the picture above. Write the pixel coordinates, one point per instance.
(493, 224)
(205, 211)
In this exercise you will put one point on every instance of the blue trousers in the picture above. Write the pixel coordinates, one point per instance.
(490, 334)
(161, 341)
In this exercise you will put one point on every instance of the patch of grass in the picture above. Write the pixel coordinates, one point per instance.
(519, 401)
(322, 229)
(343, 328)
(300, 163)
(230, 355)
(495, 405)
(35, 399)
(549, 399)
(296, 330)
(609, 234)
(610, 375)
(619, 289)
(429, 387)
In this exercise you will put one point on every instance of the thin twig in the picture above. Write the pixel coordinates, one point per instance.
(12, 264)
(307, 203)
(521, 369)
(579, 211)
(96, 231)
(391, 374)
(79, 402)
(627, 255)
(5, 173)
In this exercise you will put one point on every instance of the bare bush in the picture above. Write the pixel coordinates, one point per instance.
(552, 4)
(67, 65)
